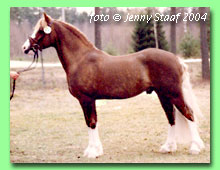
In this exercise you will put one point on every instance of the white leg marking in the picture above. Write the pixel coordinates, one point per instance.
(170, 144)
(197, 143)
(94, 148)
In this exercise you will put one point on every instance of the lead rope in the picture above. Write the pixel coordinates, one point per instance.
(35, 60)
(42, 67)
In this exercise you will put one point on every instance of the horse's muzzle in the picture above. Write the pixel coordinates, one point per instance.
(26, 47)
(26, 51)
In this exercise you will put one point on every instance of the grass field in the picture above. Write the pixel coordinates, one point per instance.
(47, 124)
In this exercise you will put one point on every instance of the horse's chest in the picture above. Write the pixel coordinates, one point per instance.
(81, 84)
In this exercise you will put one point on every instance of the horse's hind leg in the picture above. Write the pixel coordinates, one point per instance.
(170, 144)
(94, 148)
(187, 112)
(183, 107)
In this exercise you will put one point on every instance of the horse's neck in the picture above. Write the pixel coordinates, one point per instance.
(70, 48)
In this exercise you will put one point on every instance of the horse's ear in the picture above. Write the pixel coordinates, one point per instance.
(46, 18)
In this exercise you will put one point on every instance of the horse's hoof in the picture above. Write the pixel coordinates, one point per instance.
(93, 151)
(196, 147)
(194, 152)
(168, 148)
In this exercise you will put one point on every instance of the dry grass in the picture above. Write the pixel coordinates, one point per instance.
(47, 124)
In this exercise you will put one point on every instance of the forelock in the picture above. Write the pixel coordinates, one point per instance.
(41, 23)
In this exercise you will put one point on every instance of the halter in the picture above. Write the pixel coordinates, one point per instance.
(47, 30)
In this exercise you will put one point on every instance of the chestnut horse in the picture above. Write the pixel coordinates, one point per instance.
(92, 74)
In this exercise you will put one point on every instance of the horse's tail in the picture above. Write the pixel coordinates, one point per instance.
(183, 126)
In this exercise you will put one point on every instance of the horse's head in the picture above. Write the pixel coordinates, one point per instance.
(42, 36)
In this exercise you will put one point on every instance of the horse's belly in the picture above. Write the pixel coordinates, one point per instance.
(121, 90)
(123, 82)
(120, 95)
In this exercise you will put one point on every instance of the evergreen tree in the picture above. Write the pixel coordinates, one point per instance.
(143, 35)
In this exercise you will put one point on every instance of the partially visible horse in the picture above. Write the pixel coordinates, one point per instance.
(92, 74)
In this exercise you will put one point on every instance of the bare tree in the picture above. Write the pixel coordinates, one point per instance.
(155, 30)
(204, 45)
(98, 30)
(63, 14)
(173, 31)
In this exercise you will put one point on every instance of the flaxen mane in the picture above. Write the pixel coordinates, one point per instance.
(40, 23)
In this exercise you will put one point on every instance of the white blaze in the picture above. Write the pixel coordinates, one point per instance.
(27, 44)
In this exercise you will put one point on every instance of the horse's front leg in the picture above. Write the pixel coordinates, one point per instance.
(94, 148)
